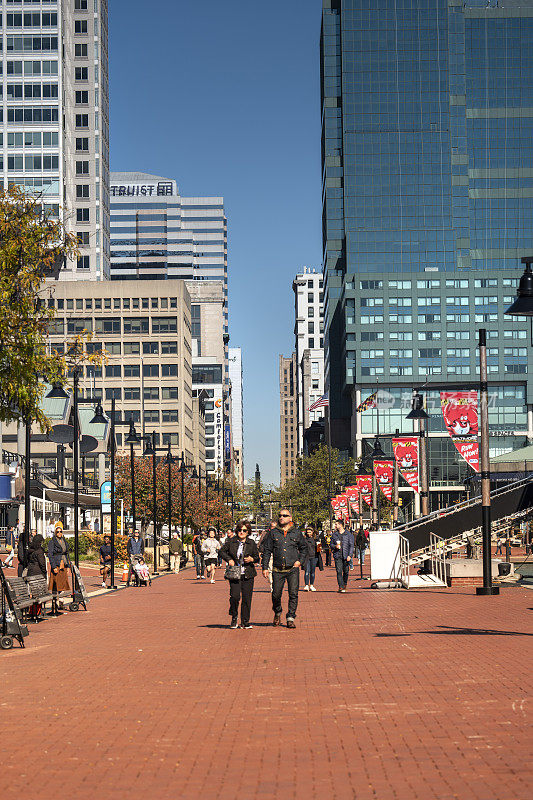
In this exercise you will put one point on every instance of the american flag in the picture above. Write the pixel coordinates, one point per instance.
(322, 402)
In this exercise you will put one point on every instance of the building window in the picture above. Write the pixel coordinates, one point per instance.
(151, 416)
(136, 325)
(82, 120)
(150, 348)
(83, 240)
(80, 5)
(169, 370)
(131, 348)
(82, 98)
(113, 393)
(81, 73)
(82, 215)
(80, 27)
(169, 348)
(151, 393)
(132, 393)
(164, 324)
(171, 416)
(113, 371)
(132, 370)
(151, 370)
(82, 191)
(83, 262)
(170, 393)
(82, 167)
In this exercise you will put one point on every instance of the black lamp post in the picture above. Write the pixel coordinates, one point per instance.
(150, 450)
(376, 455)
(419, 413)
(132, 438)
(183, 470)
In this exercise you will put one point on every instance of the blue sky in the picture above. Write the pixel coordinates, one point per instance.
(224, 97)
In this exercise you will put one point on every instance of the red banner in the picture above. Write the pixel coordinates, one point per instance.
(343, 507)
(406, 454)
(460, 412)
(364, 484)
(337, 513)
(384, 472)
(352, 493)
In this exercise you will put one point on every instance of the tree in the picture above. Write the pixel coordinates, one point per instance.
(307, 494)
(197, 514)
(31, 247)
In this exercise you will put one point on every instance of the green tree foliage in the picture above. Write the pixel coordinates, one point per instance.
(308, 492)
(31, 247)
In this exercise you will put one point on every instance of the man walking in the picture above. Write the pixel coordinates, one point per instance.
(175, 549)
(135, 547)
(343, 546)
(288, 548)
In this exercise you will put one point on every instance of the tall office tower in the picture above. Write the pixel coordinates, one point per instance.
(309, 348)
(287, 417)
(157, 234)
(235, 376)
(427, 148)
(55, 139)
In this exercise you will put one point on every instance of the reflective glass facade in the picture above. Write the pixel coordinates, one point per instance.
(427, 153)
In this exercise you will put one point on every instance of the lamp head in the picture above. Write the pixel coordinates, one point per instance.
(148, 449)
(523, 305)
(377, 452)
(57, 392)
(98, 418)
(133, 436)
(417, 408)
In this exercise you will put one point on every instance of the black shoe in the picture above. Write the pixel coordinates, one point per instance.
(234, 623)
(291, 623)
(277, 620)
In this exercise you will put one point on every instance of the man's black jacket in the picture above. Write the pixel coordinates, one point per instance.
(286, 548)
(229, 549)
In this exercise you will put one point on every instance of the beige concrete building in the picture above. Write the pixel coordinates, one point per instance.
(145, 328)
(288, 418)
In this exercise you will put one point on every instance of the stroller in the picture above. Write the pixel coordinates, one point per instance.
(142, 573)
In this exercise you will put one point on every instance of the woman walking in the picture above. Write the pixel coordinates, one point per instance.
(313, 558)
(241, 551)
(36, 559)
(59, 561)
(106, 557)
(210, 548)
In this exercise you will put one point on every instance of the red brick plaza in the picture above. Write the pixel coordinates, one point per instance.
(420, 694)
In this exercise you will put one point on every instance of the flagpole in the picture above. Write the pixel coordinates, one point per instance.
(395, 487)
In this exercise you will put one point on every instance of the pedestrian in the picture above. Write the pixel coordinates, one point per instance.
(325, 540)
(241, 550)
(59, 561)
(199, 555)
(11, 542)
(22, 555)
(175, 549)
(343, 546)
(36, 557)
(500, 542)
(135, 547)
(288, 548)
(106, 557)
(210, 548)
(361, 543)
(313, 546)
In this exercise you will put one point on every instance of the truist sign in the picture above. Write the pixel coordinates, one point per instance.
(460, 412)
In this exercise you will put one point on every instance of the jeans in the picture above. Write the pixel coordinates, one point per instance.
(241, 590)
(278, 582)
(361, 554)
(343, 569)
(310, 569)
(328, 557)
(199, 564)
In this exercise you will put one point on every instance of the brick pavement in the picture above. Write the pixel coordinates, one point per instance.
(375, 695)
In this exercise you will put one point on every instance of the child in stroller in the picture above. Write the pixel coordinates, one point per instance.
(141, 571)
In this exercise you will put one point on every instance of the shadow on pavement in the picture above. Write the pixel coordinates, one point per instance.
(449, 631)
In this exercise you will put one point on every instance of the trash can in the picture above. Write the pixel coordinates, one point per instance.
(504, 568)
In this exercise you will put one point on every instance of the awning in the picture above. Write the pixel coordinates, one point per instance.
(67, 498)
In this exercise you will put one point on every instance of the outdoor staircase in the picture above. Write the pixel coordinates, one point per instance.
(434, 554)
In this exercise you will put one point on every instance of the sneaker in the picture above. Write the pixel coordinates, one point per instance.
(343, 591)
(277, 620)
(212, 580)
(202, 577)
(312, 588)
(104, 586)
(234, 623)
(247, 626)
(306, 588)
(290, 623)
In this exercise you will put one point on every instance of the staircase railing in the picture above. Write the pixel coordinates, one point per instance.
(404, 561)
(437, 557)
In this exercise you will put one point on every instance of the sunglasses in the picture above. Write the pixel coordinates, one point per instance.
(283, 515)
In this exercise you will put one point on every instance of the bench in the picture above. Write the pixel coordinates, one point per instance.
(20, 592)
(39, 589)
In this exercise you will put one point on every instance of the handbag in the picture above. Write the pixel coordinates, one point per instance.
(233, 573)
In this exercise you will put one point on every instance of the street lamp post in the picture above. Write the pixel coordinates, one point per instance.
(132, 439)
(487, 587)
(395, 489)
(150, 450)
(419, 413)
(376, 454)
(182, 471)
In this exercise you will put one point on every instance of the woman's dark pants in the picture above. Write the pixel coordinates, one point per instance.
(241, 590)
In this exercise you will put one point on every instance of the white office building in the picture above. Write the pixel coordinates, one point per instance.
(55, 114)
(235, 376)
(309, 348)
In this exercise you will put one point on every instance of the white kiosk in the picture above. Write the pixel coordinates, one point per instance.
(384, 555)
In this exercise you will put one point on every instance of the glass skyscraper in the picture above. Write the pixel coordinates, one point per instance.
(427, 154)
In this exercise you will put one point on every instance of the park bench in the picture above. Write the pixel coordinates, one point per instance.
(11, 627)
(20, 592)
(39, 590)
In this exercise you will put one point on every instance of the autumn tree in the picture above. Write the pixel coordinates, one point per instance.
(32, 247)
(199, 511)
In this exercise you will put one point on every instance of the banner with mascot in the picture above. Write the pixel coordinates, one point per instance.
(460, 412)
(384, 472)
(405, 450)
(364, 484)
(352, 493)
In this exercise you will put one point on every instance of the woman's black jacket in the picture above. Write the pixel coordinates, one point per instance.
(37, 562)
(228, 552)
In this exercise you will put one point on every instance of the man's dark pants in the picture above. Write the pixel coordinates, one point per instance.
(278, 581)
(343, 570)
(237, 590)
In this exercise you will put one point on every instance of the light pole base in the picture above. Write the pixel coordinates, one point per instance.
(485, 590)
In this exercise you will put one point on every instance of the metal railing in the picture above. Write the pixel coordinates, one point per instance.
(404, 561)
(473, 501)
(437, 557)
